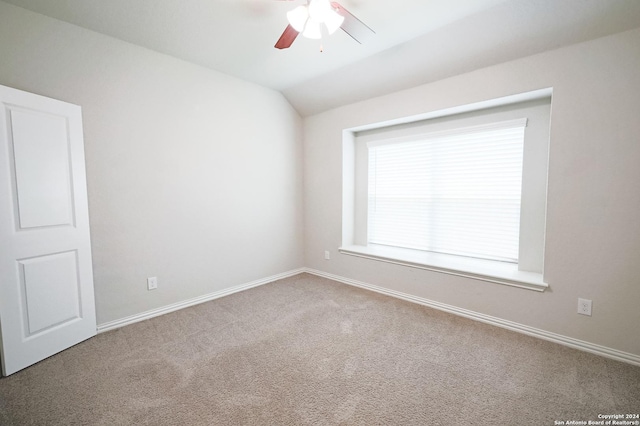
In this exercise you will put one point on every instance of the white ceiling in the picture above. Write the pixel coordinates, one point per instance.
(417, 41)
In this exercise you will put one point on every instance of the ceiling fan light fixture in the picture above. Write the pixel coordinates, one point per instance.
(312, 30)
(298, 18)
(333, 21)
(308, 21)
(319, 10)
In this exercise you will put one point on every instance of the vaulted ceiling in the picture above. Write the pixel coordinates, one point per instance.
(417, 41)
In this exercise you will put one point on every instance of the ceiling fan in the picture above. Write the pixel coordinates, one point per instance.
(308, 20)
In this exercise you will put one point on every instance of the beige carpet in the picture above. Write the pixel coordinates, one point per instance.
(310, 351)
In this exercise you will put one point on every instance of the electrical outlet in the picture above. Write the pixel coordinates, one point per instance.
(584, 306)
(152, 283)
(327, 255)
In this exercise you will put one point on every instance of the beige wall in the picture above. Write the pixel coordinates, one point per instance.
(194, 176)
(593, 225)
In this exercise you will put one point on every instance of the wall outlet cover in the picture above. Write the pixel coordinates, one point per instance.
(152, 283)
(584, 306)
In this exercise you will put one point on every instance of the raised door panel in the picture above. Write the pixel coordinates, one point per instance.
(40, 145)
(50, 293)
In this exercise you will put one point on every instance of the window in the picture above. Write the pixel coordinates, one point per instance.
(462, 193)
(454, 192)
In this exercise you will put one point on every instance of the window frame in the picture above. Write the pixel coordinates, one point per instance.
(528, 273)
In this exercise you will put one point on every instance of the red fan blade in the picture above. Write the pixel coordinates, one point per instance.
(357, 29)
(287, 38)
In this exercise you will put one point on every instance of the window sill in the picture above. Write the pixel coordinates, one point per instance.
(478, 269)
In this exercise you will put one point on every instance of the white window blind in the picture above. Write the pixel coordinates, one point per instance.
(455, 192)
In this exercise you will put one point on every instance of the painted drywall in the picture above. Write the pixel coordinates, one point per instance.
(194, 176)
(593, 236)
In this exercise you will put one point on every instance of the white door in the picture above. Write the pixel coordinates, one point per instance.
(46, 281)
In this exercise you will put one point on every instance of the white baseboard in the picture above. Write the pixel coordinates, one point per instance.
(488, 319)
(195, 301)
